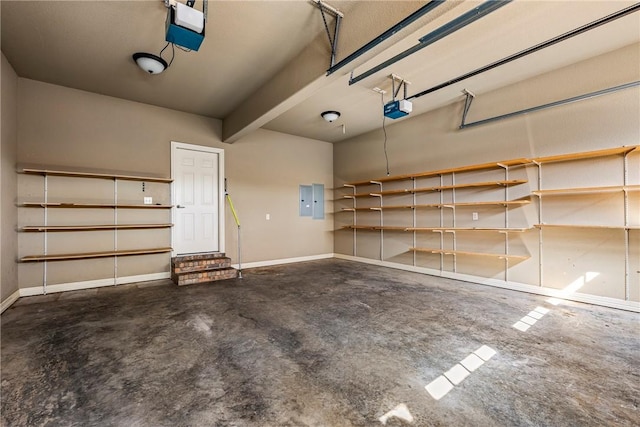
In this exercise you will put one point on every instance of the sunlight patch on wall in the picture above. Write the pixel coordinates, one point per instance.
(573, 287)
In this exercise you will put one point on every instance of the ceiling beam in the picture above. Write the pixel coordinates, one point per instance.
(307, 73)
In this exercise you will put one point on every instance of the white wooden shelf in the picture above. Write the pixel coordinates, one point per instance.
(92, 205)
(445, 229)
(469, 168)
(88, 255)
(442, 205)
(586, 155)
(42, 228)
(586, 190)
(74, 174)
(612, 227)
(456, 252)
(455, 229)
(375, 227)
(505, 183)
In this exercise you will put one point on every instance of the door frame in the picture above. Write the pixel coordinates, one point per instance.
(175, 145)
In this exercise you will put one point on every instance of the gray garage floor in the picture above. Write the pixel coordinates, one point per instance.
(326, 343)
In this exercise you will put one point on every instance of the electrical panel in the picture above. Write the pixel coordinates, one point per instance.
(311, 201)
(318, 201)
(306, 200)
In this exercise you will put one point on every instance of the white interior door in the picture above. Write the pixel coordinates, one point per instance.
(198, 198)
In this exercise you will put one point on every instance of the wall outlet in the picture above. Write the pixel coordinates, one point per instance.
(267, 217)
(148, 200)
(474, 216)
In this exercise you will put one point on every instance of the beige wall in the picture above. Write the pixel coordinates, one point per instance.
(432, 141)
(69, 128)
(8, 211)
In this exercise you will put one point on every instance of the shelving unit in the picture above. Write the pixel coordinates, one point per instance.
(578, 217)
(625, 188)
(450, 188)
(116, 225)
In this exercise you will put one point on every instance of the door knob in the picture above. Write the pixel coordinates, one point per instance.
(180, 207)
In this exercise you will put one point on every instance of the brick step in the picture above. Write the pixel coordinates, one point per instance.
(192, 278)
(198, 257)
(178, 266)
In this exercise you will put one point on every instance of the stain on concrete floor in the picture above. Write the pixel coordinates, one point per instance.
(323, 343)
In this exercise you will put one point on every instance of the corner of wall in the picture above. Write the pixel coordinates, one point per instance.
(8, 209)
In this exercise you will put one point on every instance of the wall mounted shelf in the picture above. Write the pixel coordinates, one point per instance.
(443, 205)
(437, 188)
(455, 253)
(114, 201)
(592, 191)
(457, 198)
(42, 228)
(89, 255)
(73, 174)
(92, 205)
(612, 227)
(453, 204)
(470, 168)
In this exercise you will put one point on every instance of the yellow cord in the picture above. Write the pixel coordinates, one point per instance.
(233, 210)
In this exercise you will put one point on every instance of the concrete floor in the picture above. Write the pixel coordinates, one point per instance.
(324, 343)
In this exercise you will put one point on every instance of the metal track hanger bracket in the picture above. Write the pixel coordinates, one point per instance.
(333, 42)
(467, 104)
(402, 84)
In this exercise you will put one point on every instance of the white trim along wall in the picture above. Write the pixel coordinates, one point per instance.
(557, 295)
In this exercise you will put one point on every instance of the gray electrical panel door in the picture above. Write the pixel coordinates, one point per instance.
(318, 201)
(306, 200)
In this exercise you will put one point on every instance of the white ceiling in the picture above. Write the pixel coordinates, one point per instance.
(88, 45)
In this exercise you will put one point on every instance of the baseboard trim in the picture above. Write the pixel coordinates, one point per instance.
(9, 301)
(76, 286)
(514, 286)
(269, 263)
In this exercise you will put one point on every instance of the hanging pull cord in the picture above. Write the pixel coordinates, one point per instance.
(384, 130)
(173, 52)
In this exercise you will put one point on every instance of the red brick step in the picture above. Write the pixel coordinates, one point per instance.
(201, 268)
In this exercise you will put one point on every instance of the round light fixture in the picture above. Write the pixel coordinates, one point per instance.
(330, 116)
(152, 64)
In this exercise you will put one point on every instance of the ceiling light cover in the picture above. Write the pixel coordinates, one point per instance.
(330, 116)
(152, 64)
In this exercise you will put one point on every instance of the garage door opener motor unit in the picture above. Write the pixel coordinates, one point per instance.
(185, 26)
(397, 108)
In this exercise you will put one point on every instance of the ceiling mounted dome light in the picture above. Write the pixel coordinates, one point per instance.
(150, 63)
(330, 116)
